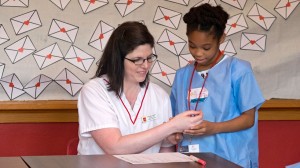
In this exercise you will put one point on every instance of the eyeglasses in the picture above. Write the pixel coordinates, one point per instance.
(140, 61)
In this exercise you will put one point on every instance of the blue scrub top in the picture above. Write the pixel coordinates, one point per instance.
(232, 89)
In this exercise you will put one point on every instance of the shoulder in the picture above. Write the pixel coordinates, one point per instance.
(237, 62)
(95, 84)
(238, 65)
(155, 88)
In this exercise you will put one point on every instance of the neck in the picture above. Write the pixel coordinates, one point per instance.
(130, 86)
(131, 91)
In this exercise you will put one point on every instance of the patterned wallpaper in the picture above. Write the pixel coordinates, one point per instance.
(50, 48)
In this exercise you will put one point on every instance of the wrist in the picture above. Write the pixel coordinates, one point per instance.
(171, 127)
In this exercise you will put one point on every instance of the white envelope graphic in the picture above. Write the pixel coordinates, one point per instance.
(240, 4)
(127, 6)
(61, 4)
(235, 24)
(48, 56)
(211, 2)
(14, 3)
(3, 35)
(37, 85)
(79, 58)
(181, 2)
(167, 17)
(101, 35)
(163, 73)
(285, 7)
(251, 41)
(2, 67)
(63, 31)
(227, 48)
(26, 22)
(171, 42)
(185, 59)
(20, 49)
(261, 16)
(12, 86)
(67, 80)
(90, 5)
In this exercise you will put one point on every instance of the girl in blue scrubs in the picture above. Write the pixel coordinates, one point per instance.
(222, 87)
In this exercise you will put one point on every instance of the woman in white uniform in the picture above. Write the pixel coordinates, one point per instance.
(120, 110)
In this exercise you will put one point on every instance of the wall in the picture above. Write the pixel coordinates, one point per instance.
(278, 78)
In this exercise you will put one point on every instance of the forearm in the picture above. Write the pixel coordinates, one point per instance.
(133, 143)
(244, 121)
(167, 149)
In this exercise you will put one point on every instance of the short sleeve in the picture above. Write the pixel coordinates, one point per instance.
(247, 91)
(95, 109)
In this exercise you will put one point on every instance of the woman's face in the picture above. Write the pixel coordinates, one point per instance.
(204, 47)
(137, 73)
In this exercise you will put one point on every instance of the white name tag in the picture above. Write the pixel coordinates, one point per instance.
(194, 148)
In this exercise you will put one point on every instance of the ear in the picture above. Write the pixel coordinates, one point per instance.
(222, 39)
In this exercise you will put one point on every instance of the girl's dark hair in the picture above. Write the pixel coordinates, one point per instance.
(206, 18)
(125, 38)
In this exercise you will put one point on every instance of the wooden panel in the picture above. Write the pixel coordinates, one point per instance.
(66, 111)
(38, 111)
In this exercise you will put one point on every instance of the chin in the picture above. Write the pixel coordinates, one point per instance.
(141, 78)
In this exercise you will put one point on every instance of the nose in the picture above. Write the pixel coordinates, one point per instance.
(145, 64)
(197, 52)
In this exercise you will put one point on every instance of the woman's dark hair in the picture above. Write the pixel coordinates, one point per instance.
(125, 38)
(207, 18)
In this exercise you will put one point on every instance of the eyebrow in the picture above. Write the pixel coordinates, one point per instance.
(142, 57)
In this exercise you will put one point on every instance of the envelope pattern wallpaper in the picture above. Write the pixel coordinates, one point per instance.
(50, 48)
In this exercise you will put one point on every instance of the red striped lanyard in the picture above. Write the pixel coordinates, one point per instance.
(191, 81)
(133, 122)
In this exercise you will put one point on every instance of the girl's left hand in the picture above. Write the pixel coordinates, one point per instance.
(204, 128)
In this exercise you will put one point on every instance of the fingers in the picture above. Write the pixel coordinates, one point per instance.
(178, 136)
(193, 113)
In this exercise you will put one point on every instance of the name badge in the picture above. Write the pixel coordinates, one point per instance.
(194, 148)
(194, 95)
(148, 118)
(189, 149)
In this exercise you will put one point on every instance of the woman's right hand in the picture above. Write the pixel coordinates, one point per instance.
(186, 120)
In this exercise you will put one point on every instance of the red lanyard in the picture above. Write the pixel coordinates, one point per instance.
(191, 81)
(133, 122)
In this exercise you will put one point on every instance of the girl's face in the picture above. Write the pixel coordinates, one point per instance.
(137, 73)
(204, 47)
